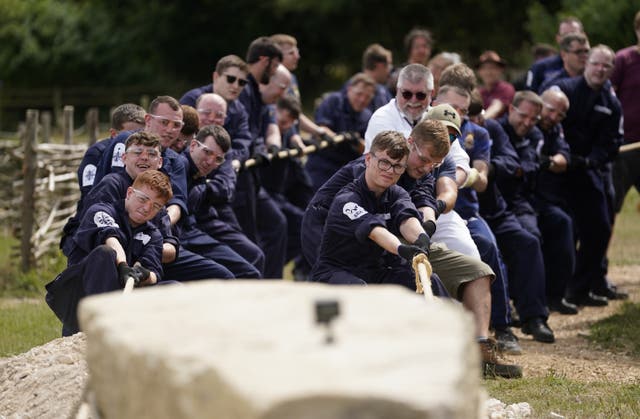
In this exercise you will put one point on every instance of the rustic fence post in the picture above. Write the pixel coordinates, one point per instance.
(91, 121)
(29, 169)
(67, 125)
(45, 119)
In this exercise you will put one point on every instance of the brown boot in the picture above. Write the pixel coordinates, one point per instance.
(491, 366)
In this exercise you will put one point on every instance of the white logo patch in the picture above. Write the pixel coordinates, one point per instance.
(102, 219)
(144, 238)
(353, 210)
(602, 109)
(116, 157)
(88, 175)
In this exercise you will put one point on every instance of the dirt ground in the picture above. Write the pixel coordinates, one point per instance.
(572, 355)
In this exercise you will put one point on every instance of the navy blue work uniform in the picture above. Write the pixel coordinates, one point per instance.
(517, 189)
(593, 130)
(187, 266)
(207, 192)
(347, 255)
(542, 71)
(259, 216)
(89, 166)
(477, 144)
(289, 185)
(520, 248)
(92, 264)
(556, 226)
(336, 112)
(421, 192)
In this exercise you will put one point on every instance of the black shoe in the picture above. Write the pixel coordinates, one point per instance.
(507, 341)
(539, 329)
(492, 367)
(594, 300)
(562, 306)
(612, 294)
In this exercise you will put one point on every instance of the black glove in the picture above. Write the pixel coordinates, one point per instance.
(261, 158)
(440, 207)
(408, 251)
(142, 272)
(423, 242)
(579, 162)
(545, 161)
(125, 271)
(430, 227)
(273, 150)
(326, 137)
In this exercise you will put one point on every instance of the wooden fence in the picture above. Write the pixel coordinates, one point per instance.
(39, 183)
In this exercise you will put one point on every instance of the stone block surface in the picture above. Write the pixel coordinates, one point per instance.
(251, 349)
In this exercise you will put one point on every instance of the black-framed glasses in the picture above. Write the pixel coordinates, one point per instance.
(408, 94)
(232, 79)
(152, 154)
(144, 199)
(426, 160)
(385, 165)
(210, 153)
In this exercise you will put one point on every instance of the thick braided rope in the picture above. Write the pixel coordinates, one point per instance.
(421, 259)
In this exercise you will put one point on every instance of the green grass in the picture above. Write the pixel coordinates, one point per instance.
(625, 243)
(25, 324)
(620, 332)
(569, 398)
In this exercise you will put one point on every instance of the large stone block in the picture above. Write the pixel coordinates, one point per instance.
(249, 349)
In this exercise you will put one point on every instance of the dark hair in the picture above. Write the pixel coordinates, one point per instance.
(144, 138)
(229, 61)
(219, 134)
(374, 54)
(417, 33)
(291, 104)
(127, 112)
(393, 142)
(568, 38)
(157, 181)
(190, 119)
(263, 47)
(173, 104)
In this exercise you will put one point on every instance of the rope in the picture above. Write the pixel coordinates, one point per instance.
(422, 268)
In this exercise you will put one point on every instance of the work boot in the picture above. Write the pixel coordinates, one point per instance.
(507, 341)
(538, 327)
(491, 366)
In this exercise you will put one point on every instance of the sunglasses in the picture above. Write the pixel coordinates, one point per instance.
(408, 94)
(232, 79)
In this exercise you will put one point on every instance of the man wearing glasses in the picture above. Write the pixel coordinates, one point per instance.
(143, 153)
(364, 210)
(115, 241)
(593, 129)
(574, 50)
(230, 247)
(229, 79)
(164, 119)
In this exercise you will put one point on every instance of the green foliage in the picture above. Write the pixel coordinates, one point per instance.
(15, 283)
(25, 324)
(620, 332)
(569, 398)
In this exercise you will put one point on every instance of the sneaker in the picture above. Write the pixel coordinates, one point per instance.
(491, 366)
(538, 327)
(507, 341)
